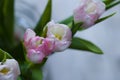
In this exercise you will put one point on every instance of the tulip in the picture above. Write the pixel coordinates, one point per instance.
(9, 70)
(37, 54)
(88, 12)
(37, 47)
(34, 46)
(61, 34)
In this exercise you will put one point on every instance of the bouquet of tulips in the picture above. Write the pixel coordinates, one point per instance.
(23, 59)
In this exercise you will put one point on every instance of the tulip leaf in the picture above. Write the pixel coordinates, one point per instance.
(45, 18)
(19, 78)
(6, 24)
(104, 18)
(1, 55)
(25, 70)
(19, 52)
(112, 4)
(67, 20)
(1, 13)
(107, 2)
(44, 34)
(76, 27)
(7, 18)
(4, 55)
(81, 44)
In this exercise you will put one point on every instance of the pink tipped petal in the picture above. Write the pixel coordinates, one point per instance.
(28, 35)
(35, 42)
(35, 56)
(49, 45)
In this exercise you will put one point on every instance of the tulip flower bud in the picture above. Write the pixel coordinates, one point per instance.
(37, 47)
(88, 12)
(61, 33)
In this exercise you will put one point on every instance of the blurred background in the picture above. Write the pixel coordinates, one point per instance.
(73, 64)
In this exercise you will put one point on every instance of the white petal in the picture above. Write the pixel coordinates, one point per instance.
(29, 34)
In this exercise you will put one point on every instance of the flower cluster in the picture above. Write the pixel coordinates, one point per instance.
(58, 39)
(53, 37)
(58, 36)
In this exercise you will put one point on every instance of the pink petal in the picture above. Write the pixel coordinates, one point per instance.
(35, 56)
(49, 45)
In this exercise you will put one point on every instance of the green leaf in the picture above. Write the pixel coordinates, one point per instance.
(44, 34)
(112, 5)
(4, 55)
(1, 12)
(104, 18)
(25, 70)
(6, 24)
(81, 44)
(19, 52)
(67, 20)
(45, 18)
(7, 13)
(76, 27)
(107, 2)
(19, 78)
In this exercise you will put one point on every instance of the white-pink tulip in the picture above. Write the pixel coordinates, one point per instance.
(37, 47)
(9, 70)
(61, 34)
(88, 12)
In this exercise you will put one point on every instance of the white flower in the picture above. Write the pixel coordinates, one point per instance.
(9, 70)
(61, 33)
(88, 12)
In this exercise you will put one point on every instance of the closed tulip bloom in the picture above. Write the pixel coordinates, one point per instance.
(37, 47)
(61, 34)
(39, 52)
(88, 12)
(9, 70)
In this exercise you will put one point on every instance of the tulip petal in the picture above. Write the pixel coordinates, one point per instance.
(35, 56)
(28, 35)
